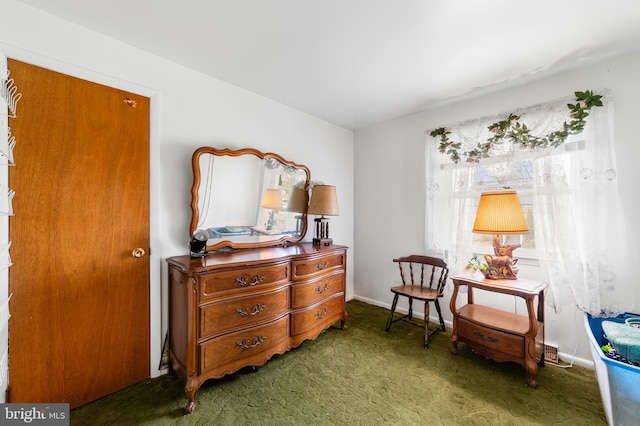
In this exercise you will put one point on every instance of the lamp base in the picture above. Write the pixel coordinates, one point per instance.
(322, 232)
(322, 242)
(502, 265)
(502, 272)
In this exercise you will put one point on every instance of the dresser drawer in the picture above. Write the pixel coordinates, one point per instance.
(233, 347)
(317, 317)
(490, 338)
(219, 317)
(314, 291)
(303, 269)
(236, 280)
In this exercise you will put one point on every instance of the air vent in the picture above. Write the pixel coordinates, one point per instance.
(551, 354)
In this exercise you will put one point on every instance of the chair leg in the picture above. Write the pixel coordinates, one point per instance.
(410, 309)
(426, 324)
(439, 315)
(393, 309)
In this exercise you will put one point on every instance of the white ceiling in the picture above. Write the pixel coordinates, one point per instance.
(358, 62)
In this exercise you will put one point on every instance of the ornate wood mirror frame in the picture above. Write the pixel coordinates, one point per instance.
(246, 198)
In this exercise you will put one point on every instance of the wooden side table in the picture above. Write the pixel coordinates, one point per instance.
(497, 334)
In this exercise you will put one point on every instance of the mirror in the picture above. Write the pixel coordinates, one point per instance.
(245, 198)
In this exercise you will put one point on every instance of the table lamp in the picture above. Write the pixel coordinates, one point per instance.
(271, 201)
(500, 213)
(324, 201)
(298, 201)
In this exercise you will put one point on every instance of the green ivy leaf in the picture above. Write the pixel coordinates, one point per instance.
(511, 129)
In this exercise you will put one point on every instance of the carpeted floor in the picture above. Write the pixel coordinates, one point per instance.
(365, 376)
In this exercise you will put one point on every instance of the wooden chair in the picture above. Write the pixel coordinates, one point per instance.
(430, 277)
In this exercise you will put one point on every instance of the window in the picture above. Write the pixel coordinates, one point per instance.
(567, 194)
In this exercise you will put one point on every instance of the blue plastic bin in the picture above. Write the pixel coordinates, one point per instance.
(619, 382)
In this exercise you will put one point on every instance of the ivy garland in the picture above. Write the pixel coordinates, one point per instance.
(512, 130)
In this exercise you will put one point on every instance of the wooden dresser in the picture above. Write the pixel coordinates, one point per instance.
(236, 309)
(500, 335)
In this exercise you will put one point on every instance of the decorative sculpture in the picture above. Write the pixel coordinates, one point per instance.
(502, 265)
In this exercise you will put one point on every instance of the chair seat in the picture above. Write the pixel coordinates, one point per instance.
(416, 292)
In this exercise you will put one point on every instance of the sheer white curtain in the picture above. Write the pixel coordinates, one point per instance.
(573, 193)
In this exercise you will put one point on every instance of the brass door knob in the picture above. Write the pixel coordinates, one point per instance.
(137, 252)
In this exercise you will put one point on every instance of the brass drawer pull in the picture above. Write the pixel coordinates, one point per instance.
(322, 289)
(243, 281)
(479, 335)
(247, 344)
(256, 310)
(322, 265)
(321, 314)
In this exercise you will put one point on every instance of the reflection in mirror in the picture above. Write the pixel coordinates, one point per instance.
(245, 198)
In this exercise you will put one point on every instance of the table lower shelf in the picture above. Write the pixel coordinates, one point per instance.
(496, 319)
(500, 336)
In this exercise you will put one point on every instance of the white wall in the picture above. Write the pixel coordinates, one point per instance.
(389, 160)
(188, 110)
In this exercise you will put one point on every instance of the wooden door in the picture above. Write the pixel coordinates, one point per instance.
(80, 306)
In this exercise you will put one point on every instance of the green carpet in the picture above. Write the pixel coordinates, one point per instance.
(365, 376)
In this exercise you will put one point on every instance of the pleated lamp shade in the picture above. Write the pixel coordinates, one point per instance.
(499, 212)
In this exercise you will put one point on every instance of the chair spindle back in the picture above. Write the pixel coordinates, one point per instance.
(437, 277)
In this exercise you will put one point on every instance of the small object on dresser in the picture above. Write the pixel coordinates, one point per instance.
(198, 243)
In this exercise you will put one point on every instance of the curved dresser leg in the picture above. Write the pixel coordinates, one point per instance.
(343, 322)
(190, 390)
